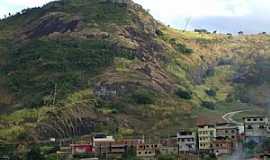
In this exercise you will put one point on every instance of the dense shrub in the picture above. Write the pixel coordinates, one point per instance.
(143, 97)
(180, 47)
(208, 105)
(183, 48)
(35, 154)
(211, 92)
(182, 93)
(159, 32)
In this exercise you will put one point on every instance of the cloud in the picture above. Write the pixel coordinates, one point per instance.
(3, 11)
(223, 15)
(26, 3)
(172, 9)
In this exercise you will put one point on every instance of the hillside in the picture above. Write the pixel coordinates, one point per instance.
(74, 67)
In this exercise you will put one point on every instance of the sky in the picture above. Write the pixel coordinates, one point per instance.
(250, 16)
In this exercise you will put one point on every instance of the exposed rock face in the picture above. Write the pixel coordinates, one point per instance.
(51, 24)
(109, 91)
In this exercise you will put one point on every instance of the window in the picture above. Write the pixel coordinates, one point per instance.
(248, 119)
(249, 127)
(255, 119)
(233, 137)
(145, 152)
(261, 119)
(261, 127)
(233, 131)
(140, 152)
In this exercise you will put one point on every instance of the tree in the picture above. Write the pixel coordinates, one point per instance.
(35, 154)
(184, 94)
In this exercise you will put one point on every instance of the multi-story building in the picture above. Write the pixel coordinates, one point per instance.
(102, 139)
(206, 135)
(222, 146)
(168, 146)
(147, 151)
(168, 150)
(256, 128)
(227, 131)
(187, 141)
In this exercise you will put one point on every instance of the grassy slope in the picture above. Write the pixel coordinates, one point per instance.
(75, 65)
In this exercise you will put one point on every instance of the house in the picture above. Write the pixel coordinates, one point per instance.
(116, 150)
(187, 141)
(241, 33)
(132, 143)
(82, 149)
(227, 131)
(222, 146)
(256, 128)
(102, 139)
(101, 142)
(147, 151)
(206, 134)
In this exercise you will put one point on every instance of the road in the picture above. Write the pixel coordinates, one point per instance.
(228, 117)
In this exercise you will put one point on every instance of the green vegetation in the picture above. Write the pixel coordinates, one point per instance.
(143, 97)
(167, 157)
(182, 93)
(34, 154)
(62, 64)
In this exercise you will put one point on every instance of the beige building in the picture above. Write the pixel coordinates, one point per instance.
(227, 131)
(206, 135)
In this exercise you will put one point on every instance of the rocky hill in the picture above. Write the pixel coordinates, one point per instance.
(73, 67)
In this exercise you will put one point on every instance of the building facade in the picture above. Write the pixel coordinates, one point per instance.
(206, 135)
(147, 151)
(256, 128)
(228, 131)
(222, 146)
(187, 141)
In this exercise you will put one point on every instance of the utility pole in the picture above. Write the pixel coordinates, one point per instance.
(188, 20)
(55, 93)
